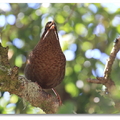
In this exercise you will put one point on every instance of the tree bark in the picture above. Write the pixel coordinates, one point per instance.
(30, 91)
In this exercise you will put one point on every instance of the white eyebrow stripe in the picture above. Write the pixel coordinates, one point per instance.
(45, 34)
(56, 35)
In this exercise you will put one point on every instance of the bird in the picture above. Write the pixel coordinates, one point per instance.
(46, 62)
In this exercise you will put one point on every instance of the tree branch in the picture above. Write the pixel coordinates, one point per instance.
(19, 85)
(106, 80)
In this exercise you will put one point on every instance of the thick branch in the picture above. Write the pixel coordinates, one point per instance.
(19, 85)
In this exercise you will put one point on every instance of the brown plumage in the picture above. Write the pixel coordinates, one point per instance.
(46, 62)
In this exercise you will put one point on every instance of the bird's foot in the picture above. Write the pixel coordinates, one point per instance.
(58, 96)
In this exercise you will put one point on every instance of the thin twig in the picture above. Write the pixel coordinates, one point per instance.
(70, 14)
(114, 51)
(106, 80)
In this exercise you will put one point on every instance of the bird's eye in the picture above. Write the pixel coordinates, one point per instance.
(48, 25)
(49, 22)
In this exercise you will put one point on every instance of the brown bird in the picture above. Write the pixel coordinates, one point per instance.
(46, 62)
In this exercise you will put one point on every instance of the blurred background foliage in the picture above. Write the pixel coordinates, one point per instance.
(86, 31)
